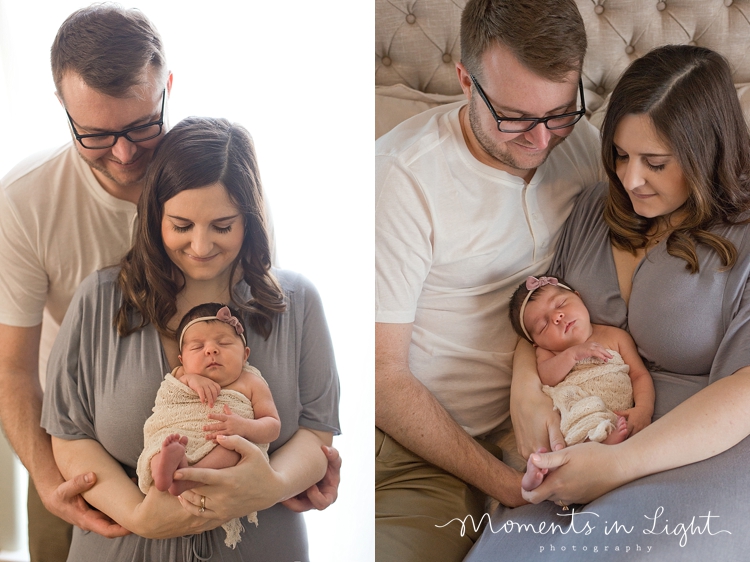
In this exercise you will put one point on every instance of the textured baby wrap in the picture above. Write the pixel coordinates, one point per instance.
(588, 395)
(178, 409)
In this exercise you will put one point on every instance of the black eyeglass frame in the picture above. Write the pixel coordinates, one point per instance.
(534, 120)
(124, 133)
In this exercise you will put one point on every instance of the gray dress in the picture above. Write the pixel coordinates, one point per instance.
(101, 386)
(691, 330)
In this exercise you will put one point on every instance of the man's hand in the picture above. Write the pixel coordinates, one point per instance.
(319, 496)
(67, 503)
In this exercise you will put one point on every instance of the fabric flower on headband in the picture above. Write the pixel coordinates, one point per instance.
(532, 283)
(225, 316)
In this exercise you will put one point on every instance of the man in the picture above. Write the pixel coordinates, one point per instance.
(65, 214)
(470, 199)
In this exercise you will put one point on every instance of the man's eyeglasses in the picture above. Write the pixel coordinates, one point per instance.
(141, 133)
(523, 124)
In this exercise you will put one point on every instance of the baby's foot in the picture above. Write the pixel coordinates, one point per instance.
(171, 457)
(534, 475)
(619, 433)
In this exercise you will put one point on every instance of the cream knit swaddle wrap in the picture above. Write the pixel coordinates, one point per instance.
(588, 395)
(178, 409)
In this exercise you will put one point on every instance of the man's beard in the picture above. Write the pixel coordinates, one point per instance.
(96, 165)
(496, 150)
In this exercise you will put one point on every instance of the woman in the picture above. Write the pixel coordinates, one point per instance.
(663, 251)
(201, 237)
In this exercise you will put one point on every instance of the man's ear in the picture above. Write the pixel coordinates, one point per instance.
(169, 83)
(464, 78)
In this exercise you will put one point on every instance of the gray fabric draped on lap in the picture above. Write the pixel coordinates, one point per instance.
(679, 515)
(690, 330)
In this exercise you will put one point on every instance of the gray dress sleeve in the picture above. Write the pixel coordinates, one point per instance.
(66, 409)
(734, 349)
(319, 391)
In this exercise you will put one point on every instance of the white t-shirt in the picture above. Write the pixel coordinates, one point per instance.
(453, 239)
(57, 225)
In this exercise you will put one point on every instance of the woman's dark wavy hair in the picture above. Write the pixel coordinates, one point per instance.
(688, 94)
(196, 153)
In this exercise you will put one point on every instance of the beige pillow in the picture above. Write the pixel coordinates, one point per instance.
(397, 103)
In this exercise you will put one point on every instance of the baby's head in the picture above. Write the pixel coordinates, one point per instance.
(212, 343)
(549, 314)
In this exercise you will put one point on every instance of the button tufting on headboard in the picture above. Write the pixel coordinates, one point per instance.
(417, 41)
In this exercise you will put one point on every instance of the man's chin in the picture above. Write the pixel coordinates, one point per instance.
(527, 160)
(120, 178)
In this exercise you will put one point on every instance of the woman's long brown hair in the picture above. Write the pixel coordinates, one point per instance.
(196, 153)
(688, 94)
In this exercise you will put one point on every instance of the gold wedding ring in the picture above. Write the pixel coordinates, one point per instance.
(203, 504)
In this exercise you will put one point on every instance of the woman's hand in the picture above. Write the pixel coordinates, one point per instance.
(160, 516)
(535, 423)
(251, 485)
(578, 474)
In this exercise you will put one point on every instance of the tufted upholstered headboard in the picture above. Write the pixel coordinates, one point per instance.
(417, 46)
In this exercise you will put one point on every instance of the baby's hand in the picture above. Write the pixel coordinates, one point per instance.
(229, 424)
(207, 389)
(590, 349)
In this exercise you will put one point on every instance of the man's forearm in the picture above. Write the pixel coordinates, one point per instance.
(20, 412)
(409, 413)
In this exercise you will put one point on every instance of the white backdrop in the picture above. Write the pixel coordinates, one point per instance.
(297, 75)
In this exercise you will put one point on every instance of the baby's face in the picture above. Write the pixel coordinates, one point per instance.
(213, 349)
(557, 319)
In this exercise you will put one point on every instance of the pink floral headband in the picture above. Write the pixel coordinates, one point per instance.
(223, 315)
(532, 284)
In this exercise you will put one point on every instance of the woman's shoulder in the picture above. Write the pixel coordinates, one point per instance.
(591, 199)
(296, 287)
(292, 281)
(100, 282)
(588, 213)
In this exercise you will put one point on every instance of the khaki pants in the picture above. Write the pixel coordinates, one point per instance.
(414, 499)
(49, 536)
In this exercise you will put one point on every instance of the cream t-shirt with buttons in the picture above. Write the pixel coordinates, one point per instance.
(453, 239)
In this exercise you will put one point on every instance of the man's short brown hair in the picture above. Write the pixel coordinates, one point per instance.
(547, 36)
(109, 47)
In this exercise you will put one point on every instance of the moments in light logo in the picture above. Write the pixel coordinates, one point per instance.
(601, 536)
